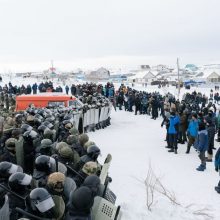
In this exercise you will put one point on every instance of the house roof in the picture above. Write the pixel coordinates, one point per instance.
(143, 74)
(208, 72)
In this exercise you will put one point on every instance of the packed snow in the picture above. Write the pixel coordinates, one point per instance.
(136, 142)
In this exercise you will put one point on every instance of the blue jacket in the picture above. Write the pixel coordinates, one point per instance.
(174, 122)
(217, 159)
(193, 128)
(110, 92)
(201, 143)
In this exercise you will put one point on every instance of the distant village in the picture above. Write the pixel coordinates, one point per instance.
(143, 75)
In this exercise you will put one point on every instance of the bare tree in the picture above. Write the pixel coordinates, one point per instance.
(154, 186)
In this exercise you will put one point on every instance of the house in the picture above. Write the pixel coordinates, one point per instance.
(145, 67)
(214, 76)
(100, 74)
(143, 77)
(161, 68)
(209, 75)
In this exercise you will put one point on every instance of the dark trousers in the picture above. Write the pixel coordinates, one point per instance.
(218, 134)
(202, 158)
(182, 136)
(167, 139)
(137, 108)
(173, 141)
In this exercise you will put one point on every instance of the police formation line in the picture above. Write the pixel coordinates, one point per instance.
(50, 170)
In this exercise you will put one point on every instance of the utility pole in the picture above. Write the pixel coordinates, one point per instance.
(52, 70)
(52, 65)
(178, 72)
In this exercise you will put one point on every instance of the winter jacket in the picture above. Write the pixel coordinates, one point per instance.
(110, 92)
(217, 159)
(201, 143)
(174, 123)
(211, 134)
(218, 121)
(193, 128)
(183, 122)
(4, 211)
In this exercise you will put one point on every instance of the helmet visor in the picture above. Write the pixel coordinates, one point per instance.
(45, 205)
(14, 168)
(33, 134)
(52, 161)
(26, 180)
(29, 128)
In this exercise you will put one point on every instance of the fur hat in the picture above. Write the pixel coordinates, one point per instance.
(90, 168)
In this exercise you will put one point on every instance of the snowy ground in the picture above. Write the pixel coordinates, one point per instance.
(136, 141)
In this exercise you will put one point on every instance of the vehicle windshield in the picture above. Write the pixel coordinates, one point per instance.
(55, 104)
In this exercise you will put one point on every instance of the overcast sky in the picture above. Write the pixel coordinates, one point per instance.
(92, 33)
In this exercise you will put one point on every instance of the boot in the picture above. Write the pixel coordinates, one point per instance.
(209, 159)
(217, 189)
(188, 149)
(201, 168)
(175, 151)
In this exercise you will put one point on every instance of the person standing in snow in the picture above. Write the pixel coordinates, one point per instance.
(217, 169)
(211, 136)
(192, 131)
(166, 121)
(67, 89)
(173, 132)
(137, 103)
(183, 127)
(201, 145)
(218, 127)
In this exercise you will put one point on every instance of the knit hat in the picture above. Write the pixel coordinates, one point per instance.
(66, 152)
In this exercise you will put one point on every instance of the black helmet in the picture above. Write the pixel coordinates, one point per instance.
(68, 117)
(50, 119)
(41, 112)
(41, 128)
(41, 200)
(93, 182)
(26, 127)
(48, 124)
(93, 152)
(82, 199)
(39, 117)
(18, 181)
(37, 122)
(30, 134)
(44, 163)
(18, 118)
(7, 168)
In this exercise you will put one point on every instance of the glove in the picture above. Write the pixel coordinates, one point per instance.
(216, 169)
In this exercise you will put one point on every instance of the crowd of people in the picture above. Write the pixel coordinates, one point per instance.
(49, 168)
(48, 86)
(194, 121)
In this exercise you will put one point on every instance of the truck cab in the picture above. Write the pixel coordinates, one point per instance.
(47, 100)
